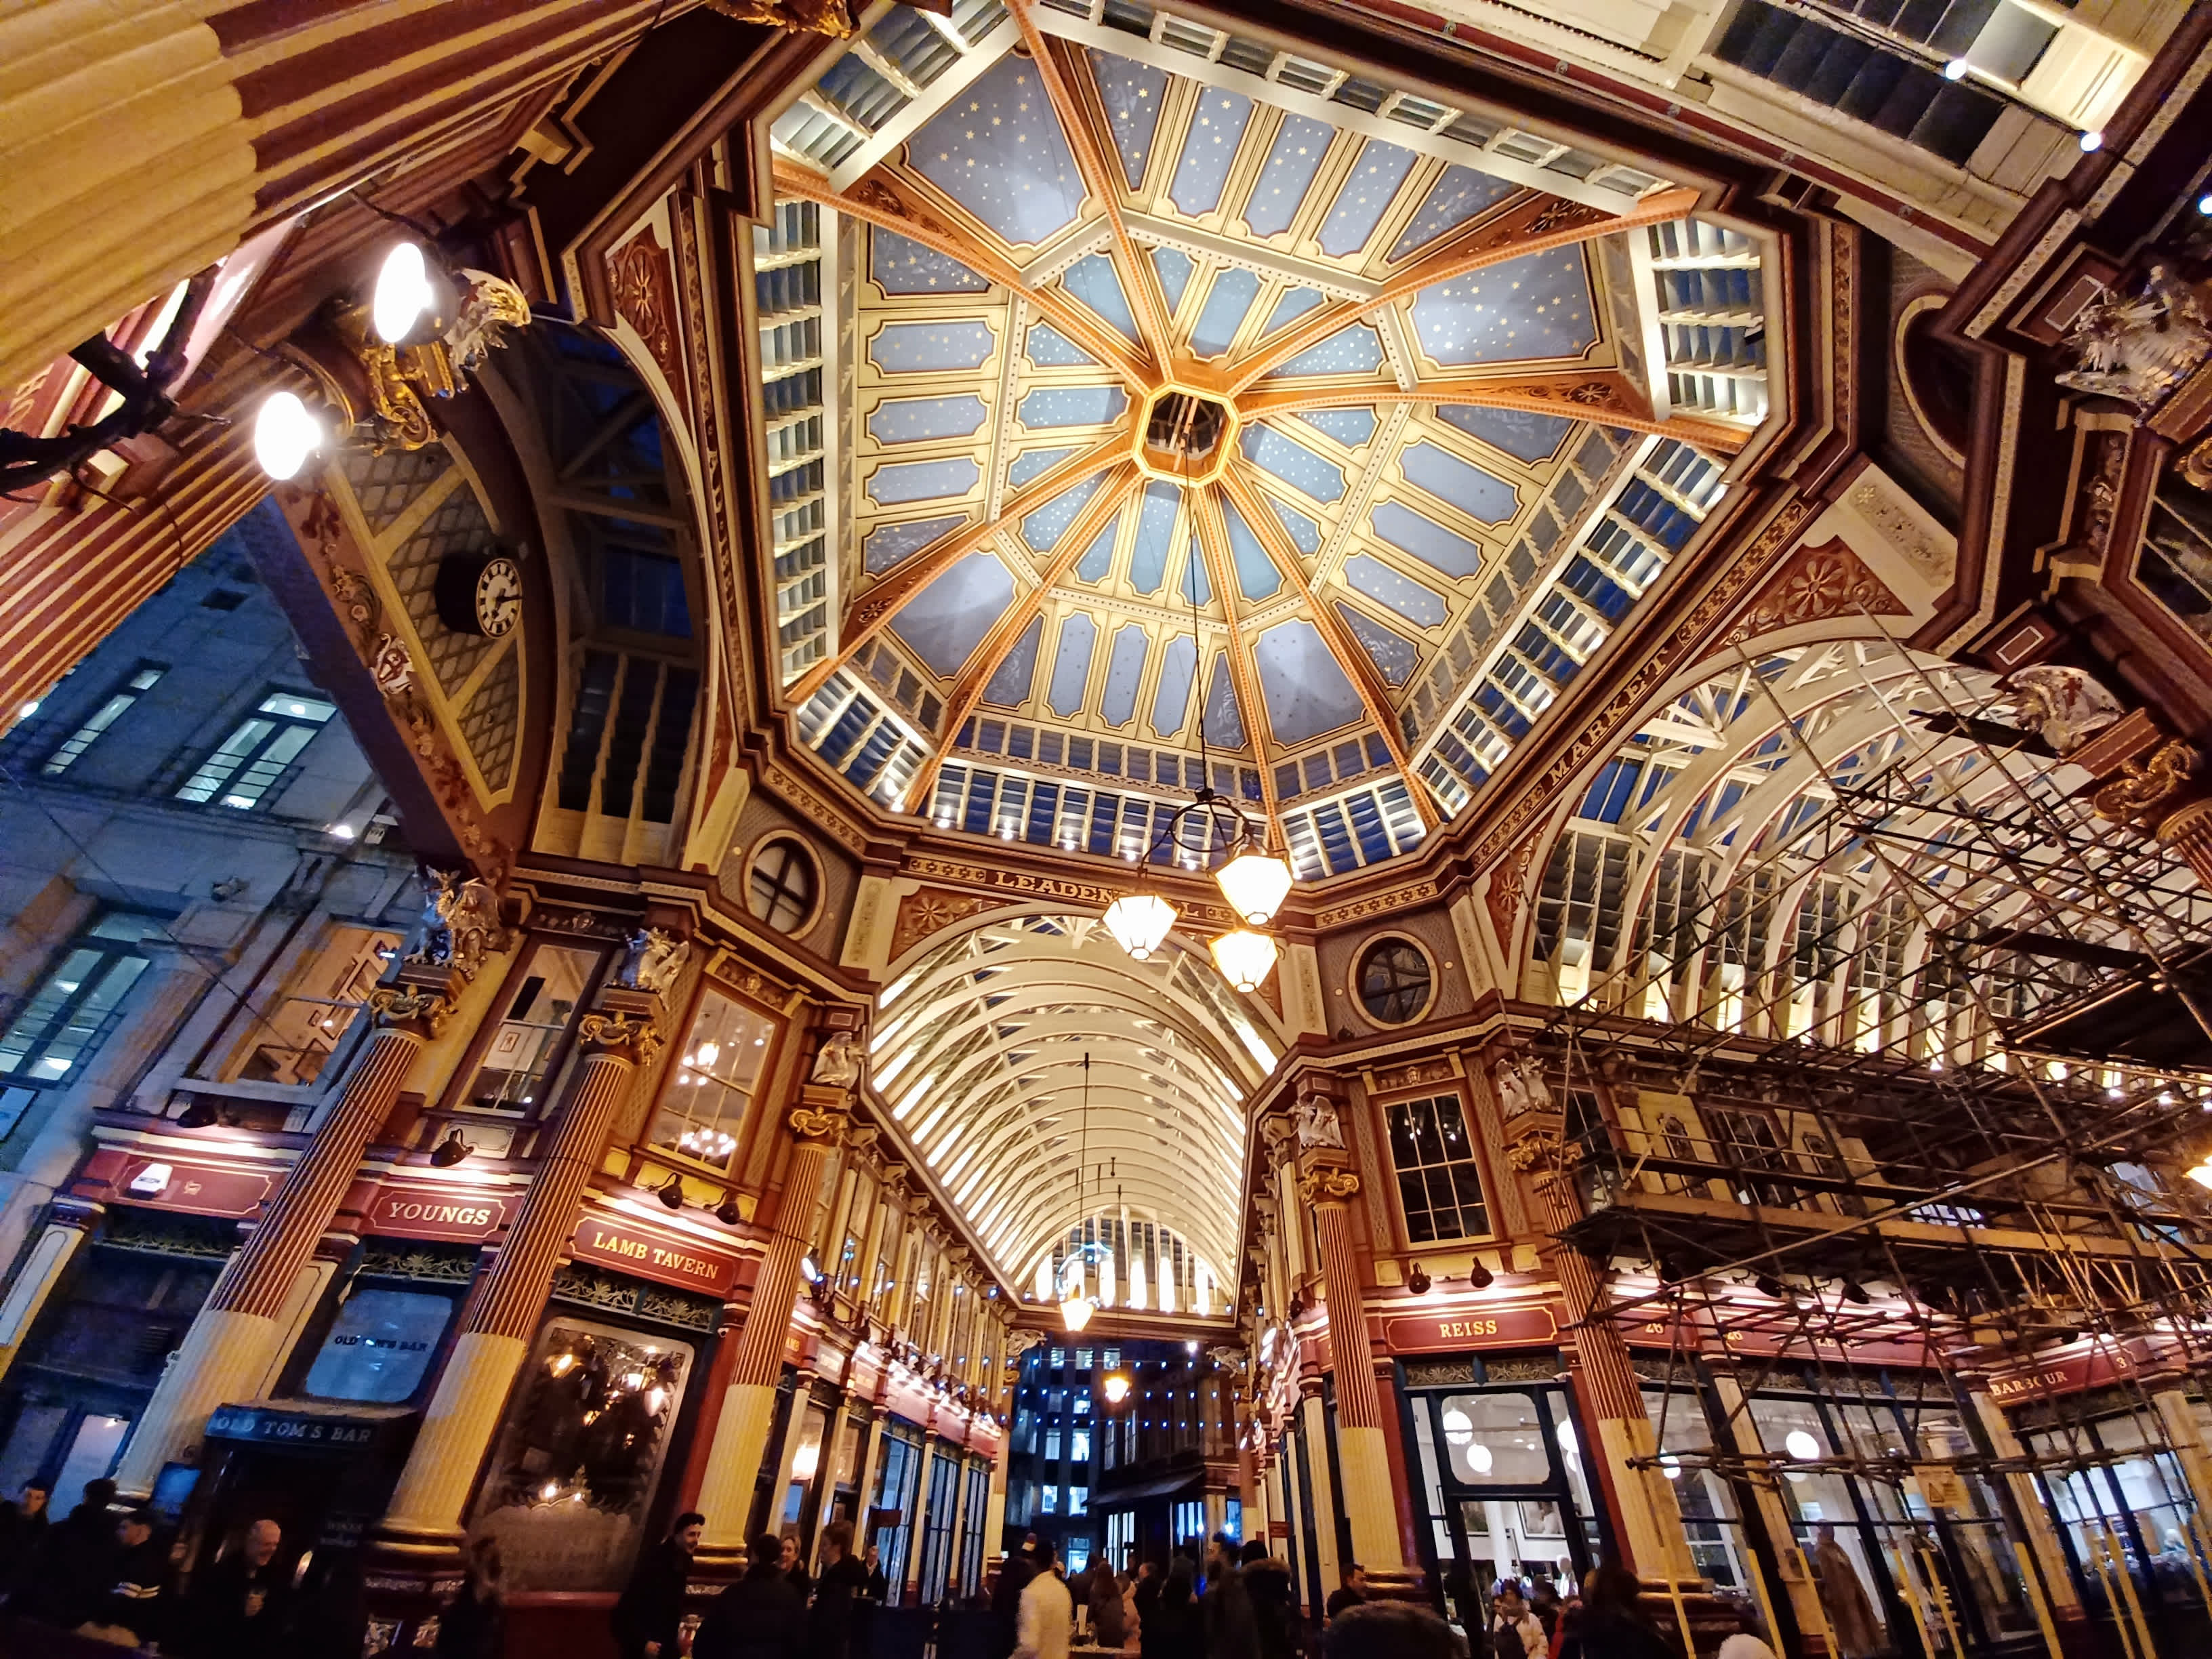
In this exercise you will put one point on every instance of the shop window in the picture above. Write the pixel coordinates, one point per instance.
(71, 1010)
(295, 1040)
(711, 1087)
(516, 1064)
(247, 764)
(581, 1454)
(1439, 1183)
(1394, 982)
(783, 884)
(141, 680)
(378, 1347)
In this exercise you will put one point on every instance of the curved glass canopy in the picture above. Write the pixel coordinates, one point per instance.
(979, 1048)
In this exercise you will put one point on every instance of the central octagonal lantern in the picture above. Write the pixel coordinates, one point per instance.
(1187, 435)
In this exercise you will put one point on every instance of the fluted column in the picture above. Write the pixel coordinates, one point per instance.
(871, 1463)
(994, 1511)
(231, 1343)
(1772, 1516)
(741, 1435)
(1650, 1529)
(424, 1519)
(1312, 1434)
(2051, 1580)
(1362, 1451)
(953, 1587)
(68, 1226)
(2189, 832)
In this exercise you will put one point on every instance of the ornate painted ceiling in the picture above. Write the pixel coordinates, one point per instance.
(1133, 388)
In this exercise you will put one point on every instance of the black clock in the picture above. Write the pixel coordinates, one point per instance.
(480, 593)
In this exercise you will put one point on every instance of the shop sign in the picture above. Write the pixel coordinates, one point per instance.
(309, 1432)
(1279, 1529)
(1477, 1327)
(2083, 1371)
(430, 1212)
(190, 1188)
(632, 1249)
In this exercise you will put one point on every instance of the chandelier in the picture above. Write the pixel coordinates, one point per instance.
(1253, 880)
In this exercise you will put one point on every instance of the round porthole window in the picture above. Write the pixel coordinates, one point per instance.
(1396, 982)
(783, 884)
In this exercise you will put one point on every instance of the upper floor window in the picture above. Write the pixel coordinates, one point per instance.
(512, 1073)
(703, 1106)
(141, 680)
(1440, 1183)
(240, 773)
(644, 591)
(73, 1007)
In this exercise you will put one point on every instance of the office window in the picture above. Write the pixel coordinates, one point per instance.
(1052, 1445)
(1079, 1446)
(69, 1011)
(241, 771)
(1051, 1504)
(1083, 1405)
(1079, 1500)
(141, 681)
(1439, 1182)
(717, 1072)
(1083, 1359)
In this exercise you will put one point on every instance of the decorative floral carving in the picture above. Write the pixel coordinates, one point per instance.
(391, 666)
(1819, 583)
(824, 17)
(644, 298)
(922, 914)
(630, 1036)
(1328, 1185)
(399, 1005)
(809, 1123)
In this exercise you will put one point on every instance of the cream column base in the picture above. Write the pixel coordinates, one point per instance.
(224, 1357)
(2042, 1536)
(2179, 1417)
(1657, 1540)
(42, 1269)
(426, 1506)
(1314, 1431)
(733, 1465)
(1363, 1458)
(301, 1302)
(994, 1512)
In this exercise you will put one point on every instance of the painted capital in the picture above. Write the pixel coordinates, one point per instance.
(408, 1004)
(622, 1036)
(1328, 1185)
(809, 1123)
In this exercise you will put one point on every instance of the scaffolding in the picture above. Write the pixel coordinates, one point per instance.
(1916, 1084)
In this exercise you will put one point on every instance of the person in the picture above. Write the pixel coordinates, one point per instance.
(1515, 1632)
(1460, 1590)
(786, 1555)
(1171, 1627)
(1611, 1623)
(651, 1604)
(1014, 1575)
(1231, 1632)
(24, 1528)
(1255, 1550)
(75, 1570)
(1048, 1612)
(761, 1616)
(240, 1608)
(131, 1613)
(1750, 1641)
(1844, 1598)
(1274, 1608)
(473, 1625)
(1389, 1630)
(1545, 1606)
(844, 1582)
(1350, 1594)
(1110, 1624)
(879, 1587)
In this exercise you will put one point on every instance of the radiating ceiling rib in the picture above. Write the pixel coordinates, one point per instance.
(967, 691)
(884, 199)
(1355, 661)
(1244, 672)
(878, 604)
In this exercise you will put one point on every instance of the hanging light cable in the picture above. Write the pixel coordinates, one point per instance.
(1076, 1307)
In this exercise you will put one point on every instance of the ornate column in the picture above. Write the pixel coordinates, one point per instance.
(1327, 1184)
(871, 1463)
(994, 1511)
(2068, 1616)
(1650, 1528)
(733, 1465)
(1313, 1423)
(952, 1585)
(424, 1523)
(1771, 1516)
(231, 1343)
(69, 1224)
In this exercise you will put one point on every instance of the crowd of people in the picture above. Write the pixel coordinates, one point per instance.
(774, 1610)
(110, 1572)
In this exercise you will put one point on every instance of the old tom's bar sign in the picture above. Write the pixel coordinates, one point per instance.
(1476, 1327)
(632, 1249)
(427, 1212)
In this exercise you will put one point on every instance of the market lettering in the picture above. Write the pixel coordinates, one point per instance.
(456, 1215)
(1457, 1327)
(635, 1248)
(2014, 1387)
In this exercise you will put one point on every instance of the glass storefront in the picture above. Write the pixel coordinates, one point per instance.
(1707, 1501)
(515, 1065)
(1502, 1489)
(898, 1484)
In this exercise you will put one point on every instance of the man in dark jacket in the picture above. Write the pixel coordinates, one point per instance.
(24, 1528)
(879, 1587)
(241, 1606)
(1231, 1632)
(1014, 1575)
(759, 1617)
(134, 1602)
(843, 1583)
(794, 1568)
(78, 1565)
(652, 1607)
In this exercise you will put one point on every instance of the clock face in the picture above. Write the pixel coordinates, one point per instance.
(499, 597)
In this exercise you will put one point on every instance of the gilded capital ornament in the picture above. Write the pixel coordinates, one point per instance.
(401, 1004)
(808, 1124)
(629, 1036)
(1328, 1185)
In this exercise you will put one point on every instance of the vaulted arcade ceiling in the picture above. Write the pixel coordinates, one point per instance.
(1124, 377)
